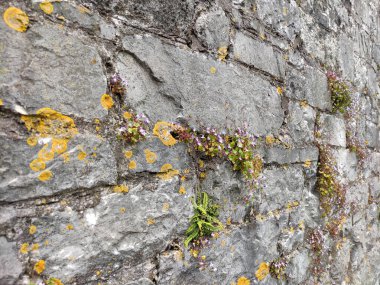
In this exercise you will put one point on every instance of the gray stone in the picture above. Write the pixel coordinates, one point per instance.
(19, 182)
(78, 15)
(48, 67)
(10, 266)
(301, 122)
(346, 163)
(309, 85)
(297, 268)
(291, 155)
(213, 28)
(120, 232)
(258, 54)
(200, 88)
(332, 130)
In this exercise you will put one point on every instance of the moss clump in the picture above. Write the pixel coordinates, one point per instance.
(340, 93)
(277, 267)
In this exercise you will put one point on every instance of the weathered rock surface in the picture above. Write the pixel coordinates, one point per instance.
(99, 210)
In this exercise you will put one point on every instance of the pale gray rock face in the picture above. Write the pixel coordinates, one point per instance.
(267, 60)
(194, 84)
(10, 266)
(57, 70)
(272, 83)
(213, 29)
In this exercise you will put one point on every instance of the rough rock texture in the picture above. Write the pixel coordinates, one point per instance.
(99, 210)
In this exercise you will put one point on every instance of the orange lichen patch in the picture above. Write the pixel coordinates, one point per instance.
(121, 189)
(54, 281)
(167, 172)
(165, 207)
(32, 141)
(128, 154)
(279, 90)
(45, 175)
(222, 53)
(32, 229)
(82, 155)
(127, 115)
(1, 102)
(263, 271)
(47, 7)
(37, 165)
(59, 146)
(106, 101)
(150, 156)
(182, 190)
(212, 70)
(69, 227)
(243, 281)
(66, 157)
(39, 267)
(307, 163)
(50, 123)
(132, 164)
(45, 154)
(24, 248)
(35, 246)
(16, 19)
(150, 221)
(162, 131)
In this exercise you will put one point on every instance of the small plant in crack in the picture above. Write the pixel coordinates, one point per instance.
(278, 266)
(340, 93)
(118, 85)
(134, 127)
(205, 220)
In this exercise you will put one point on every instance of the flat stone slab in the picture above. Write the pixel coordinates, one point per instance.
(47, 67)
(202, 90)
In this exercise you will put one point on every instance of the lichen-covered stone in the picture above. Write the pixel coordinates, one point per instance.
(10, 266)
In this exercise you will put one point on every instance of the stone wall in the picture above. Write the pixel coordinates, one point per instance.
(81, 204)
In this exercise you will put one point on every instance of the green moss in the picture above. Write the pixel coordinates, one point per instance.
(340, 94)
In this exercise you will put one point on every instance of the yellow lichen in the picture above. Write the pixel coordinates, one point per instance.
(167, 172)
(106, 101)
(132, 164)
(59, 146)
(32, 229)
(222, 53)
(47, 7)
(121, 189)
(69, 227)
(162, 131)
(182, 190)
(1, 102)
(35, 246)
(82, 155)
(45, 175)
(127, 115)
(16, 19)
(279, 90)
(37, 165)
(165, 207)
(39, 267)
(307, 163)
(150, 156)
(24, 248)
(262, 271)
(150, 221)
(122, 210)
(128, 154)
(32, 141)
(46, 154)
(54, 281)
(212, 70)
(66, 157)
(243, 281)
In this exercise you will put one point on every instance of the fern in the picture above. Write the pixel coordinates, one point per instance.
(205, 221)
